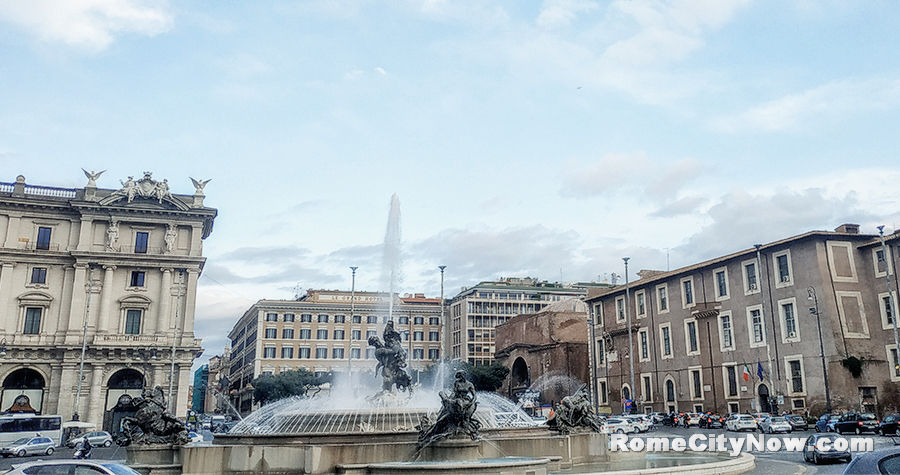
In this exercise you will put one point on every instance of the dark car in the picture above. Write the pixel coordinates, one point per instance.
(797, 422)
(884, 461)
(812, 453)
(856, 423)
(826, 422)
(888, 425)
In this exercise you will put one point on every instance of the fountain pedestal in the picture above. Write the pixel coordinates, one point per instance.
(161, 459)
(452, 449)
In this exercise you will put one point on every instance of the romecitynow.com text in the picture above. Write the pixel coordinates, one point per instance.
(733, 445)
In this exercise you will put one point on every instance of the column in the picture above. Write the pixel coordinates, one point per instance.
(107, 318)
(161, 322)
(51, 402)
(10, 311)
(190, 301)
(84, 236)
(76, 311)
(182, 386)
(68, 381)
(196, 241)
(94, 405)
(160, 374)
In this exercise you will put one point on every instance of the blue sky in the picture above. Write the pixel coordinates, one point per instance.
(546, 139)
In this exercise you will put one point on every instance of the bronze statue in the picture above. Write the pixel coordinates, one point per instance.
(574, 411)
(151, 423)
(391, 358)
(457, 414)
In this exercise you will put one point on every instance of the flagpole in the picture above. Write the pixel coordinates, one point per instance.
(762, 313)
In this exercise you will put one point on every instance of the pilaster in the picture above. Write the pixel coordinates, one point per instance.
(189, 304)
(94, 404)
(11, 240)
(161, 323)
(10, 313)
(106, 317)
(84, 234)
(76, 310)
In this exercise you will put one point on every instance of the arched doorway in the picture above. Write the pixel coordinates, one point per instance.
(763, 392)
(23, 391)
(123, 386)
(671, 403)
(519, 378)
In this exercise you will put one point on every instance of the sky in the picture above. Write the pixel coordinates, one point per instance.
(547, 139)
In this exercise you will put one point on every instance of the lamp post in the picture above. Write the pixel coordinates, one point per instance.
(630, 337)
(87, 313)
(352, 308)
(773, 401)
(175, 341)
(811, 292)
(891, 305)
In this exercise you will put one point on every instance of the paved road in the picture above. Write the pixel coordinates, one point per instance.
(776, 463)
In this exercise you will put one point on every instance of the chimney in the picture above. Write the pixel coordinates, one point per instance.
(847, 229)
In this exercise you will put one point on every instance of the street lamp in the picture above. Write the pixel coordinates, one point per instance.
(630, 337)
(180, 289)
(87, 313)
(811, 292)
(773, 401)
(352, 302)
(891, 306)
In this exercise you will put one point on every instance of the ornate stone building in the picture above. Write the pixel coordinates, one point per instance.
(97, 294)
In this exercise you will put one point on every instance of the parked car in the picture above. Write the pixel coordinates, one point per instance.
(195, 437)
(640, 422)
(771, 425)
(811, 453)
(712, 421)
(691, 419)
(741, 422)
(857, 423)
(28, 446)
(97, 439)
(617, 425)
(826, 423)
(759, 416)
(888, 425)
(797, 422)
(94, 467)
(879, 461)
(657, 417)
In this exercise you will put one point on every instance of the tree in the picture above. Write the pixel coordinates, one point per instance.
(268, 388)
(487, 377)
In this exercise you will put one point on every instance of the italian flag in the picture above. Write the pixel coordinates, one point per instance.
(746, 372)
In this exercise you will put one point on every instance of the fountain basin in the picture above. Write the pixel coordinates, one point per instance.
(506, 466)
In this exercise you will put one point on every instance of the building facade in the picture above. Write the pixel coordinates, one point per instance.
(476, 311)
(319, 333)
(741, 332)
(97, 295)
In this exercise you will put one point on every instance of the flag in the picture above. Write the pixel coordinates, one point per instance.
(759, 371)
(746, 372)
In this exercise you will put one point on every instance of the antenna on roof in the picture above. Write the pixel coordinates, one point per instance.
(297, 291)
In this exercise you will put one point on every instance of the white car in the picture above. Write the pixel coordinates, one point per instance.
(618, 425)
(771, 425)
(93, 467)
(740, 422)
(641, 423)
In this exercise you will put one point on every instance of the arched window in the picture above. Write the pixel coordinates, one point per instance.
(670, 391)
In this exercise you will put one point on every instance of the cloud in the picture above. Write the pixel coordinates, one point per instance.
(561, 13)
(91, 25)
(831, 101)
(380, 70)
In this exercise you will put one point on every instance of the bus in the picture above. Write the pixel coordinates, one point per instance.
(15, 426)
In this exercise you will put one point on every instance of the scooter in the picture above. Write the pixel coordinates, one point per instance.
(83, 452)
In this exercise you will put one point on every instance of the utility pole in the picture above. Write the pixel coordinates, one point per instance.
(773, 401)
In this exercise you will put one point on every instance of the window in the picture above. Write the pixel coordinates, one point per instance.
(137, 278)
(434, 354)
(434, 336)
(783, 264)
(39, 275)
(356, 319)
(887, 310)
(419, 321)
(755, 322)
(789, 321)
(626, 392)
(662, 298)
(882, 265)
(750, 283)
(601, 352)
(418, 353)
(355, 334)
(670, 391)
(305, 333)
(32, 320)
(895, 371)
(305, 318)
(648, 388)
(289, 317)
(321, 334)
(370, 334)
(141, 239)
(726, 332)
(403, 321)
(271, 332)
(271, 317)
(287, 351)
(370, 353)
(339, 319)
(43, 238)
(665, 340)
(269, 352)
(323, 318)
(796, 373)
(639, 304)
(321, 353)
(620, 309)
(337, 353)
(687, 292)
(405, 335)
(721, 284)
(372, 319)
(354, 353)
(434, 321)
(697, 384)
(303, 353)
(690, 337)
(645, 345)
(731, 377)
(133, 321)
(339, 334)
(287, 333)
